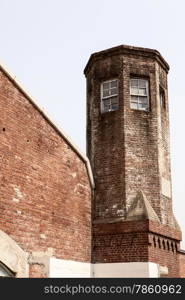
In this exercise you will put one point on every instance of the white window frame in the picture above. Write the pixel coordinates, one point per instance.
(109, 97)
(139, 96)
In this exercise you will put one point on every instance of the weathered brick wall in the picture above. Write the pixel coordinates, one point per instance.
(120, 242)
(37, 271)
(182, 264)
(164, 245)
(128, 149)
(129, 152)
(164, 252)
(44, 186)
(141, 136)
(137, 241)
(104, 136)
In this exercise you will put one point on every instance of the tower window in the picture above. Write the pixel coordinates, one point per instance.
(139, 95)
(109, 96)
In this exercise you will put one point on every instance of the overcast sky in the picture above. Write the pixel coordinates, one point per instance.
(47, 43)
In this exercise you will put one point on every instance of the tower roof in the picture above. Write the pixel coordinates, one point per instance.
(127, 50)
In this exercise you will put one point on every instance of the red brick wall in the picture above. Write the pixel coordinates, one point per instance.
(44, 186)
(182, 264)
(163, 251)
(37, 271)
(164, 245)
(137, 241)
(120, 242)
(105, 134)
(123, 145)
(129, 152)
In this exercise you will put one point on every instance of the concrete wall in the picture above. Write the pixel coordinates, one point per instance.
(66, 269)
(126, 270)
(61, 268)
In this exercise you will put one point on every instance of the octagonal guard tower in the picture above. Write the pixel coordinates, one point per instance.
(135, 233)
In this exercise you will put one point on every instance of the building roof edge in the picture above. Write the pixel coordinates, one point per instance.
(60, 131)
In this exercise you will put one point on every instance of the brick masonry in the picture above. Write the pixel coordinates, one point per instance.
(37, 271)
(133, 241)
(44, 186)
(128, 149)
(129, 152)
(182, 264)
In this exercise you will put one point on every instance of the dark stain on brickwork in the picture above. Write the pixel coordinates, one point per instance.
(129, 152)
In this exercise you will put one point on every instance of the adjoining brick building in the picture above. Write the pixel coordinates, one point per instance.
(57, 220)
(45, 188)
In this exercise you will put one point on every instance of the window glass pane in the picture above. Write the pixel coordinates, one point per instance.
(140, 103)
(4, 272)
(142, 83)
(114, 83)
(141, 107)
(133, 105)
(114, 91)
(114, 101)
(106, 105)
(134, 98)
(110, 88)
(114, 107)
(134, 90)
(106, 93)
(134, 82)
(109, 100)
(110, 104)
(139, 94)
(143, 103)
(105, 85)
(106, 101)
(143, 100)
(142, 91)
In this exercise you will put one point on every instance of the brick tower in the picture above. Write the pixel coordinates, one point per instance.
(135, 233)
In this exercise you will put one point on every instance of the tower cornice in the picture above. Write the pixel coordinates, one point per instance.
(127, 50)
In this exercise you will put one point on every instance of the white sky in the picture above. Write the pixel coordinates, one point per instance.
(47, 43)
